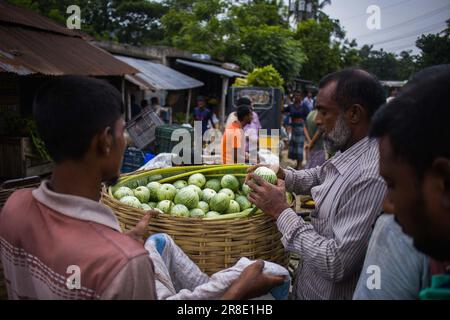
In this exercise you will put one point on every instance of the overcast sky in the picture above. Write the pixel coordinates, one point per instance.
(401, 21)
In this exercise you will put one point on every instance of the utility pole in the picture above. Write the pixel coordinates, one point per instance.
(301, 10)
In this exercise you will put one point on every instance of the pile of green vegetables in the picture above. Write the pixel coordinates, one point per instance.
(209, 193)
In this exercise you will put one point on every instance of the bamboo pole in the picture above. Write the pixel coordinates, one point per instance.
(188, 105)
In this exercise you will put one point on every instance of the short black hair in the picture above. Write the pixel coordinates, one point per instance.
(356, 86)
(244, 101)
(417, 121)
(392, 89)
(144, 103)
(70, 110)
(242, 111)
(154, 100)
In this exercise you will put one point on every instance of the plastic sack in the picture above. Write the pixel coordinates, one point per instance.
(270, 159)
(162, 160)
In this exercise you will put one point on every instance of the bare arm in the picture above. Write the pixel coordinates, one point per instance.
(308, 137)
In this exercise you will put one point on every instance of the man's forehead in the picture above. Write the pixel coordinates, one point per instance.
(325, 94)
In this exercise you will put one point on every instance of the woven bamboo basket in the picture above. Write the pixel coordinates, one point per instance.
(212, 245)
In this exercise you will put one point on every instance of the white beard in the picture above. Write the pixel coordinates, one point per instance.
(339, 137)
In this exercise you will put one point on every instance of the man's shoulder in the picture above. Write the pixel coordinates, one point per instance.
(18, 199)
(369, 160)
(388, 238)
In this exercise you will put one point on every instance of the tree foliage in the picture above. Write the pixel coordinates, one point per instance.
(250, 33)
(266, 76)
(322, 52)
(435, 48)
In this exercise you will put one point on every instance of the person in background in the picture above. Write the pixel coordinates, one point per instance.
(284, 138)
(202, 113)
(155, 106)
(392, 94)
(215, 121)
(286, 116)
(416, 168)
(135, 108)
(144, 104)
(162, 112)
(308, 100)
(314, 142)
(233, 142)
(251, 130)
(166, 114)
(298, 113)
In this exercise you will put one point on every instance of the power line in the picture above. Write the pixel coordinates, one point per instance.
(385, 7)
(411, 34)
(424, 16)
(397, 48)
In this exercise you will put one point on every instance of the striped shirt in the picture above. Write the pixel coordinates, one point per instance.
(348, 192)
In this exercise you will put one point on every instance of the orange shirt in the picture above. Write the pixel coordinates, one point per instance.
(232, 139)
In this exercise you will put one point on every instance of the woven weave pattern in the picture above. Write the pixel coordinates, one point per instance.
(212, 245)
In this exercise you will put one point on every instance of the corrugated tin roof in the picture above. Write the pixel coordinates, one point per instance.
(143, 85)
(159, 76)
(211, 68)
(12, 14)
(32, 44)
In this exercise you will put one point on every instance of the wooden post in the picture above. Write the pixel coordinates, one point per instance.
(223, 102)
(126, 101)
(188, 105)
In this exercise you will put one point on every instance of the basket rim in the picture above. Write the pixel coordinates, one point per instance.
(167, 217)
(113, 203)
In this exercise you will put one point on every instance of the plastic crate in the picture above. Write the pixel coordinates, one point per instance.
(132, 160)
(142, 128)
(164, 135)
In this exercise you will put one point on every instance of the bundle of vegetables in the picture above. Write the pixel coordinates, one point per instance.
(205, 192)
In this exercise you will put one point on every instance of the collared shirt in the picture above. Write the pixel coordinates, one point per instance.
(297, 111)
(403, 270)
(251, 131)
(348, 192)
(253, 126)
(203, 115)
(49, 238)
(309, 103)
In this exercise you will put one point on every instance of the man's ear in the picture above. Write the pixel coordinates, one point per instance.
(441, 169)
(356, 113)
(105, 141)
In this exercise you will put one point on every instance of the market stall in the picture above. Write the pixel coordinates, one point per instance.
(33, 49)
